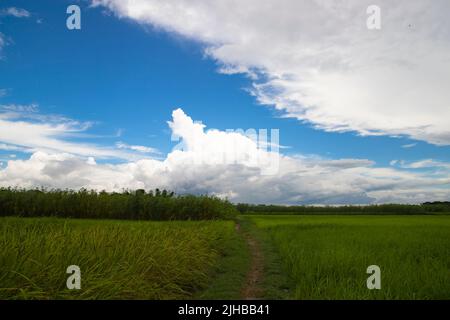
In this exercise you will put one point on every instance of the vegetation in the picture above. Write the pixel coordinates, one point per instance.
(384, 209)
(326, 257)
(118, 259)
(276, 283)
(165, 205)
(133, 205)
(230, 272)
(308, 252)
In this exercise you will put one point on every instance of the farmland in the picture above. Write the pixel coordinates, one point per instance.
(156, 245)
(118, 259)
(326, 257)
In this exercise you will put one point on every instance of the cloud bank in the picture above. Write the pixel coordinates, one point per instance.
(222, 163)
(315, 60)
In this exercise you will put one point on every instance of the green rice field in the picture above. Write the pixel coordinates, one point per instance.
(326, 257)
(118, 259)
(300, 257)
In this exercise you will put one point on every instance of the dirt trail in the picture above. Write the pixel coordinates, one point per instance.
(252, 288)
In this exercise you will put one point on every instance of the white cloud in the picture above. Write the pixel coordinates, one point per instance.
(9, 147)
(23, 128)
(426, 163)
(316, 60)
(12, 12)
(2, 44)
(18, 108)
(142, 149)
(15, 12)
(407, 146)
(199, 167)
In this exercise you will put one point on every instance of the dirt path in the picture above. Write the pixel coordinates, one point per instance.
(252, 287)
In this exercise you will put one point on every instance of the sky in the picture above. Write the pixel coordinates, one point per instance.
(287, 102)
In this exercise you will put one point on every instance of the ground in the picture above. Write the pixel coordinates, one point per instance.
(254, 257)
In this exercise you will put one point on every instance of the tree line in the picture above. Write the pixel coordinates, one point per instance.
(386, 209)
(166, 205)
(134, 205)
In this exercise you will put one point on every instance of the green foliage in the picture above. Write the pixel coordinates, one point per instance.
(118, 259)
(89, 204)
(383, 209)
(326, 257)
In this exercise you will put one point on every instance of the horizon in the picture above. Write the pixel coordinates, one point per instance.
(144, 96)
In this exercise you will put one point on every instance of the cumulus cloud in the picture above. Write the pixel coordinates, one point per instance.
(230, 164)
(316, 60)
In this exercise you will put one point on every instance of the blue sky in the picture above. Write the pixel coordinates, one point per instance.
(124, 77)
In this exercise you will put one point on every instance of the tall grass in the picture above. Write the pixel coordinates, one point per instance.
(134, 205)
(327, 256)
(118, 259)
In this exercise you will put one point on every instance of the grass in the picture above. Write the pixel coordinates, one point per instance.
(118, 259)
(230, 272)
(276, 283)
(305, 257)
(326, 257)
